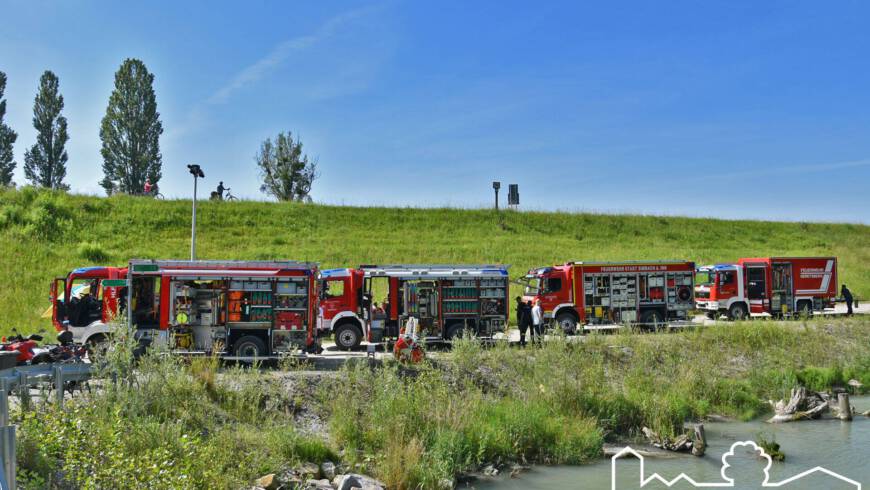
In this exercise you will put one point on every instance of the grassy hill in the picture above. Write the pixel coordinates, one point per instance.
(44, 235)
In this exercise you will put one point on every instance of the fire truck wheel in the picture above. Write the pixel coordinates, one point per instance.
(805, 309)
(652, 319)
(737, 312)
(455, 332)
(347, 336)
(567, 322)
(249, 346)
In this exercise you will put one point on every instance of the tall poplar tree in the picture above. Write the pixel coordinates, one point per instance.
(45, 161)
(131, 131)
(7, 139)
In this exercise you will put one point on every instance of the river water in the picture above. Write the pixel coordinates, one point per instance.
(841, 447)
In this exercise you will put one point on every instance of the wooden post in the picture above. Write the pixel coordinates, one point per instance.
(699, 445)
(845, 408)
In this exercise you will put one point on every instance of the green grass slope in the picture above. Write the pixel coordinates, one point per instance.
(44, 235)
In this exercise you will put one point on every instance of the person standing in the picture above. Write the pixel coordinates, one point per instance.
(524, 314)
(847, 297)
(147, 187)
(537, 322)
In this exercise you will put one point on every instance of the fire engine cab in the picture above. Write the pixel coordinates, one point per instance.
(88, 298)
(778, 286)
(375, 301)
(596, 293)
(242, 309)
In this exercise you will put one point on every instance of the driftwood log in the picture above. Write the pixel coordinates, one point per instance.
(683, 442)
(844, 408)
(802, 405)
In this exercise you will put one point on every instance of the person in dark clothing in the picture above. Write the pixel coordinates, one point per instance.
(524, 319)
(847, 297)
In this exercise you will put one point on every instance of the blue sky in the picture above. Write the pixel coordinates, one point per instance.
(728, 109)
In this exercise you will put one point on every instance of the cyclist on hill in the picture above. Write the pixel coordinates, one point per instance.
(147, 187)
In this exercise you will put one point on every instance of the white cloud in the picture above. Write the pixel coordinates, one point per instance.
(282, 51)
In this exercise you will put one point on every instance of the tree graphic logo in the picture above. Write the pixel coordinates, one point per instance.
(728, 477)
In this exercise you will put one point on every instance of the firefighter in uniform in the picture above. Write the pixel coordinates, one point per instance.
(847, 297)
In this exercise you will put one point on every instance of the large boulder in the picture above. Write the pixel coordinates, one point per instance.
(308, 469)
(318, 485)
(268, 482)
(355, 480)
(328, 470)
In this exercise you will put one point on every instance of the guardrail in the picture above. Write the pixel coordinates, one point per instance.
(18, 381)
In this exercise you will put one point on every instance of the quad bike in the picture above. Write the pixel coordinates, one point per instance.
(26, 347)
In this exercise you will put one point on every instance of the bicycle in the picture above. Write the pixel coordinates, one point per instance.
(216, 196)
(154, 194)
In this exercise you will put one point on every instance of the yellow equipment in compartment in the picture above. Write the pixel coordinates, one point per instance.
(183, 339)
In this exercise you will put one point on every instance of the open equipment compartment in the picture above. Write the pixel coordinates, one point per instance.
(239, 308)
(447, 300)
(609, 293)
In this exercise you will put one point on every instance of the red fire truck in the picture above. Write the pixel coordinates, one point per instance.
(447, 300)
(778, 286)
(596, 293)
(87, 298)
(244, 309)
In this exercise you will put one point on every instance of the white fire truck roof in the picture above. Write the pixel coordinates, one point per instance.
(222, 264)
(424, 271)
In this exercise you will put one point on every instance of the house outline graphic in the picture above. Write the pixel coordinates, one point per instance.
(728, 482)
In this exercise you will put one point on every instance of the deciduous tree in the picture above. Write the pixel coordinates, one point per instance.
(286, 170)
(45, 161)
(131, 131)
(7, 139)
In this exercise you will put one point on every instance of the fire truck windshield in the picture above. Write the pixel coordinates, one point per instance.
(705, 278)
(533, 285)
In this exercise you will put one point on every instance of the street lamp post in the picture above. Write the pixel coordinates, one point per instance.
(197, 173)
(496, 185)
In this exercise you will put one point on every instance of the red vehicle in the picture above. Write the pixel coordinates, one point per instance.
(24, 346)
(88, 298)
(243, 309)
(595, 293)
(447, 300)
(778, 286)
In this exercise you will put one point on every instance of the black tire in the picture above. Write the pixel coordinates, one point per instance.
(805, 309)
(249, 346)
(567, 322)
(738, 312)
(347, 336)
(455, 331)
(231, 199)
(652, 319)
(96, 345)
(158, 196)
(43, 358)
